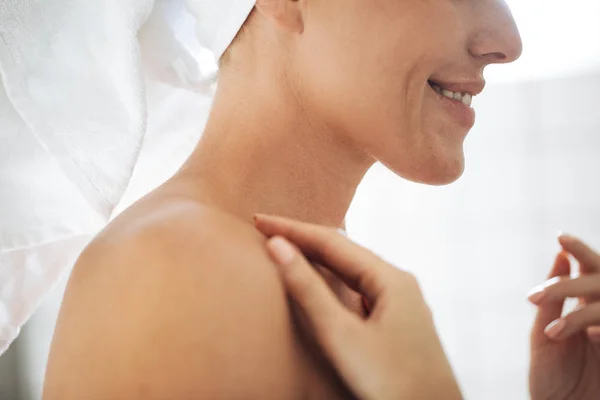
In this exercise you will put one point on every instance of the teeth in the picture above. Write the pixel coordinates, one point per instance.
(465, 98)
(448, 94)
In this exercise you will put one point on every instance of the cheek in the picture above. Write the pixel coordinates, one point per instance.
(361, 93)
(369, 86)
(415, 147)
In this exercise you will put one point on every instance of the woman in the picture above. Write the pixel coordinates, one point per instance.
(177, 297)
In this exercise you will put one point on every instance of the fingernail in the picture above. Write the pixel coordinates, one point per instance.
(342, 232)
(539, 292)
(565, 237)
(536, 295)
(282, 250)
(552, 281)
(559, 233)
(555, 329)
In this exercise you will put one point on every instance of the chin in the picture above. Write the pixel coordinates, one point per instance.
(436, 171)
(443, 177)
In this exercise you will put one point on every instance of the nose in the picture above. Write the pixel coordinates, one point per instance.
(496, 39)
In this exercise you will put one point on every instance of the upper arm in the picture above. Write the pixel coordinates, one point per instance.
(174, 316)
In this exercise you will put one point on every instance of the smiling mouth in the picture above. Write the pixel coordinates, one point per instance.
(463, 97)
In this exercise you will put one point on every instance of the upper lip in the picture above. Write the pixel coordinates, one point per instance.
(473, 87)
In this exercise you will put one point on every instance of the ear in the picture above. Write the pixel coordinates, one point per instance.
(287, 14)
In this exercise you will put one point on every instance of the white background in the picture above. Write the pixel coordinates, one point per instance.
(560, 37)
(480, 244)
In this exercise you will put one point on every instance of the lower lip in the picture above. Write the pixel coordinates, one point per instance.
(460, 112)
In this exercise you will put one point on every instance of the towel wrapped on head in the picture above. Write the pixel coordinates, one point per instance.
(93, 91)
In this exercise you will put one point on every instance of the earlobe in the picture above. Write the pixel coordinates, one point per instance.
(287, 14)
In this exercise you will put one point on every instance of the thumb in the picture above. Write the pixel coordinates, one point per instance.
(548, 312)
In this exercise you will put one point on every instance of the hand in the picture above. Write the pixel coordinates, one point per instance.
(348, 297)
(393, 353)
(352, 300)
(565, 351)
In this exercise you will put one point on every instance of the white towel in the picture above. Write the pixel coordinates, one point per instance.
(79, 79)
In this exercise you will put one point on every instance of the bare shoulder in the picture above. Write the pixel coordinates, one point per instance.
(180, 303)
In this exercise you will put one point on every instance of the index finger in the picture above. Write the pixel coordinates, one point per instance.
(587, 257)
(358, 267)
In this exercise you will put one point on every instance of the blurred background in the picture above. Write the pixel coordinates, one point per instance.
(480, 244)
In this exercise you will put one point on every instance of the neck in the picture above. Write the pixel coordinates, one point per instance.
(260, 152)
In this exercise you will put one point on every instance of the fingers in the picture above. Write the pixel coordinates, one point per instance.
(588, 258)
(309, 291)
(348, 297)
(359, 268)
(550, 296)
(575, 322)
(550, 311)
(560, 288)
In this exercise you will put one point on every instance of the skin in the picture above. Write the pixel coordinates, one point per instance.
(565, 364)
(388, 354)
(177, 297)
